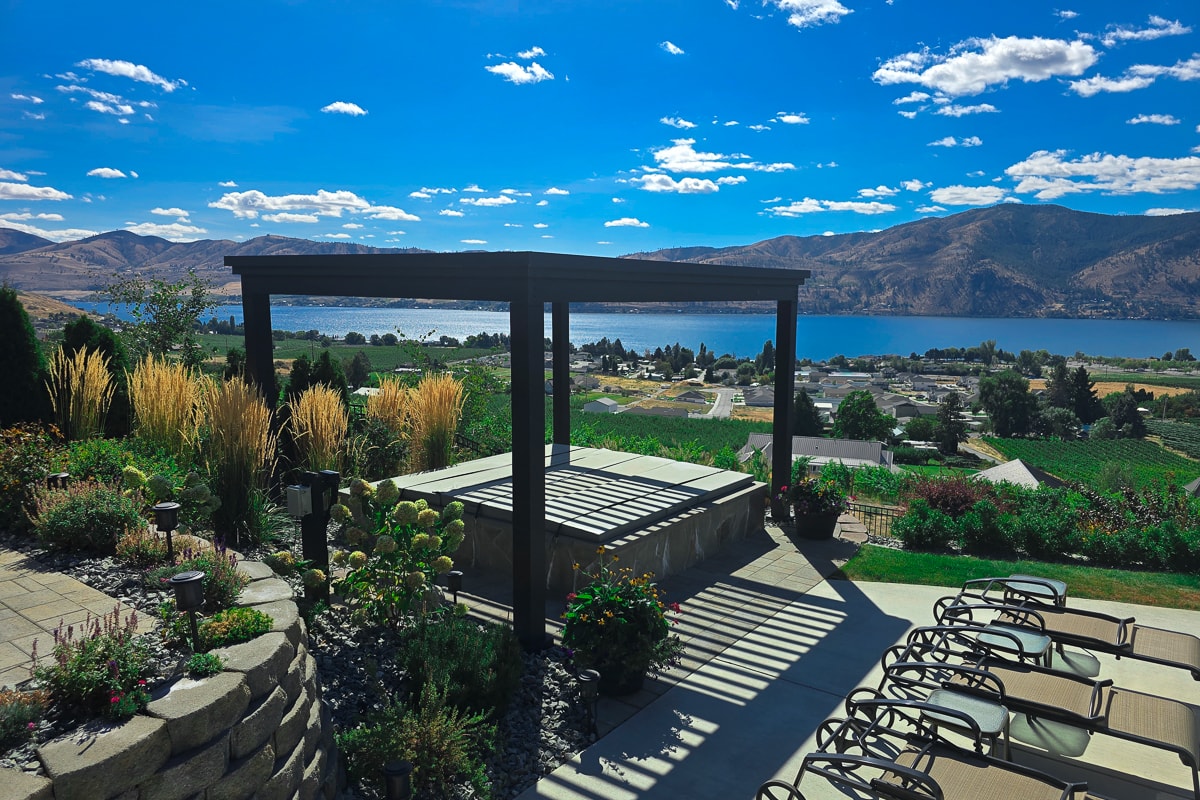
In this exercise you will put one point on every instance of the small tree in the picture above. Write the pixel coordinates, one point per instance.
(358, 370)
(1087, 405)
(806, 420)
(166, 314)
(920, 429)
(1009, 404)
(859, 418)
(24, 398)
(950, 429)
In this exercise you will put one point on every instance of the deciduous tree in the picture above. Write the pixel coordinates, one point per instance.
(950, 429)
(859, 418)
(1007, 401)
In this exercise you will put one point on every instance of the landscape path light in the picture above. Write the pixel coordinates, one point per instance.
(166, 518)
(189, 596)
(589, 691)
(454, 580)
(397, 779)
(57, 480)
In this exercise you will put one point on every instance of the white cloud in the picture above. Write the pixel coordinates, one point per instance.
(352, 226)
(24, 215)
(450, 212)
(286, 217)
(106, 172)
(515, 73)
(658, 182)
(1049, 175)
(908, 114)
(9, 175)
(929, 209)
(810, 206)
(555, 190)
(248, 204)
(437, 190)
(618, 199)
(1167, 212)
(677, 122)
(169, 212)
(540, 225)
(228, 184)
(950, 141)
(37, 101)
(807, 13)
(775, 199)
(913, 97)
(532, 52)
(542, 202)
(126, 69)
(978, 173)
(791, 118)
(1159, 27)
(967, 195)
(671, 48)
(65, 235)
(829, 233)
(732, 4)
(487, 202)
(342, 107)
(174, 231)
(31, 115)
(682, 157)
(1066, 14)
(397, 233)
(878, 191)
(391, 214)
(1153, 119)
(626, 222)
(119, 110)
(515, 193)
(474, 188)
(796, 208)
(732, 123)
(962, 111)
(473, 241)
(972, 66)
(830, 165)
(914, 185)
(132, 174)
(759, 128)
(420, 195)
(513, 225)
(336, 236)
(1139, 76)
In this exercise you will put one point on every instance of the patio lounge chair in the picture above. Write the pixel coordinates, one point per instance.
(1092, 630)
(912, 765)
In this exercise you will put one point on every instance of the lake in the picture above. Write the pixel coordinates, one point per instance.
(818, 337)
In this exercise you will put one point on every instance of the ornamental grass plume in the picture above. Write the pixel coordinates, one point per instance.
(319, 423)
(435, 407)
(167, 400)
(240, 450)
(81, 390)
(391, 405)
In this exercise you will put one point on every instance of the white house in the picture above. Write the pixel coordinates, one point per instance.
(603, 405)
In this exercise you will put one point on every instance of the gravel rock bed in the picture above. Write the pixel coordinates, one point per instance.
(545, 725)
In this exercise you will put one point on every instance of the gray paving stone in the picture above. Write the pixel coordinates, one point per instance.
(108, 763)
(17, 785)
(266, 591)
(196, 711)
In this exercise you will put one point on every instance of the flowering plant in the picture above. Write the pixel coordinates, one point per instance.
(619, 625)
(399, 547)
(813, 496)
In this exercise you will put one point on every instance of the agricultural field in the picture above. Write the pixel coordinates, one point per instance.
(1180, 436)
(1085, 461)
(1110, 384)
(709, 435)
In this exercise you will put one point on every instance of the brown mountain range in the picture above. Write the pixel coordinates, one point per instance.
(1005, 261)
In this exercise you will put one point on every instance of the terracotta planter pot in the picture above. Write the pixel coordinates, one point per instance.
(819, 525)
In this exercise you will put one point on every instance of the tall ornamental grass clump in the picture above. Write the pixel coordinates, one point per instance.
(81, 390)
(240, 453)
(167, 402)
(318, 424)
(436, 405)
(390, 405)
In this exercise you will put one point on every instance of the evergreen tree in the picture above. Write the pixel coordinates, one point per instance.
(950, 429)
(1060, 389)
(806, 420)
(235, 364)
(22, 363)
(358, 371)
(1087, 405)
(1123, 411)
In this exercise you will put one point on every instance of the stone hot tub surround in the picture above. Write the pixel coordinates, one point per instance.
(257, 729)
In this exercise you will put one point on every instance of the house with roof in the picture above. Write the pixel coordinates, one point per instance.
(759, 396)
(602, 405)
(692, 396)
(1019, 473)
(849, 452)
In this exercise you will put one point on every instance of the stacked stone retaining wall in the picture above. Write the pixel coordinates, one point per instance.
(258, 729)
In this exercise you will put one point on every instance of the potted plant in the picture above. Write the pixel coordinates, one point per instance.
(619, 626)
(816, 505)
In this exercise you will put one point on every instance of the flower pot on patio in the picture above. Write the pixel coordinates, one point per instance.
(816, 525)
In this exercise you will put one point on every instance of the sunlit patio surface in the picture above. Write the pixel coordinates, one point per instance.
(773, 648)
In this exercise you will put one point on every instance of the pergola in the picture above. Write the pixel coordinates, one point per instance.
(526, 281)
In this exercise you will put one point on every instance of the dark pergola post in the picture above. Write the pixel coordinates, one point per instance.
(528, 473)
(785, 386)
(260, 366)
(561, 335)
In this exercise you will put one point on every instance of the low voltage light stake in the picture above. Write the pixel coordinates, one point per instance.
(57, 480)
(397, 779)
(589, 690)
(189, 596)
(166, 518)
(454, 579)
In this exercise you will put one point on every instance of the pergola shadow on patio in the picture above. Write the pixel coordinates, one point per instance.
(527, 281)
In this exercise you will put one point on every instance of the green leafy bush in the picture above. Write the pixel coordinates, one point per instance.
(479, 664)
(142, 548)
(924, 528)
(979, 530)
(19, 713)
(953, 495)
(445, 745)
(204, 665)
(25, 454)
(234, 626)
(85, 516)
(101, 666)
(222, 581)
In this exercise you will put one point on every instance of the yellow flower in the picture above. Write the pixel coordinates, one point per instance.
(601, 620)
(600, 550)
(575, 566)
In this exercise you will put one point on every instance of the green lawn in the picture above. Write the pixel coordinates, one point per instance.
(936, 470)
(884, 564)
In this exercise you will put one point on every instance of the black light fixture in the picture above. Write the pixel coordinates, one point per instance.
(454, 580)
(166, 518)
(57, 480)
(589, 692)
(189, 596)
(397, 780)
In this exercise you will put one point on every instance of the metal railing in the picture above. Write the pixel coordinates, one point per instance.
(876, 519)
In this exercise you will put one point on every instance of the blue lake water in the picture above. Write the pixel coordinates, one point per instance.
(818, 337)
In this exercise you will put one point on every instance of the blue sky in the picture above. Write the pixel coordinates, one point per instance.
(591, 127)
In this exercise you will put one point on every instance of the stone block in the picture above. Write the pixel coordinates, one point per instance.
(258, 725)
(285, 782)
(189, 773)
(310, 675)
(255, 570)
(244, 778)
(285, 617)
(311, 780)
(107, 763)
(265, 591)
(263, 661)
(312, 731)
(196, 711)
(291, 728)
(17, 785)
(292, 681)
